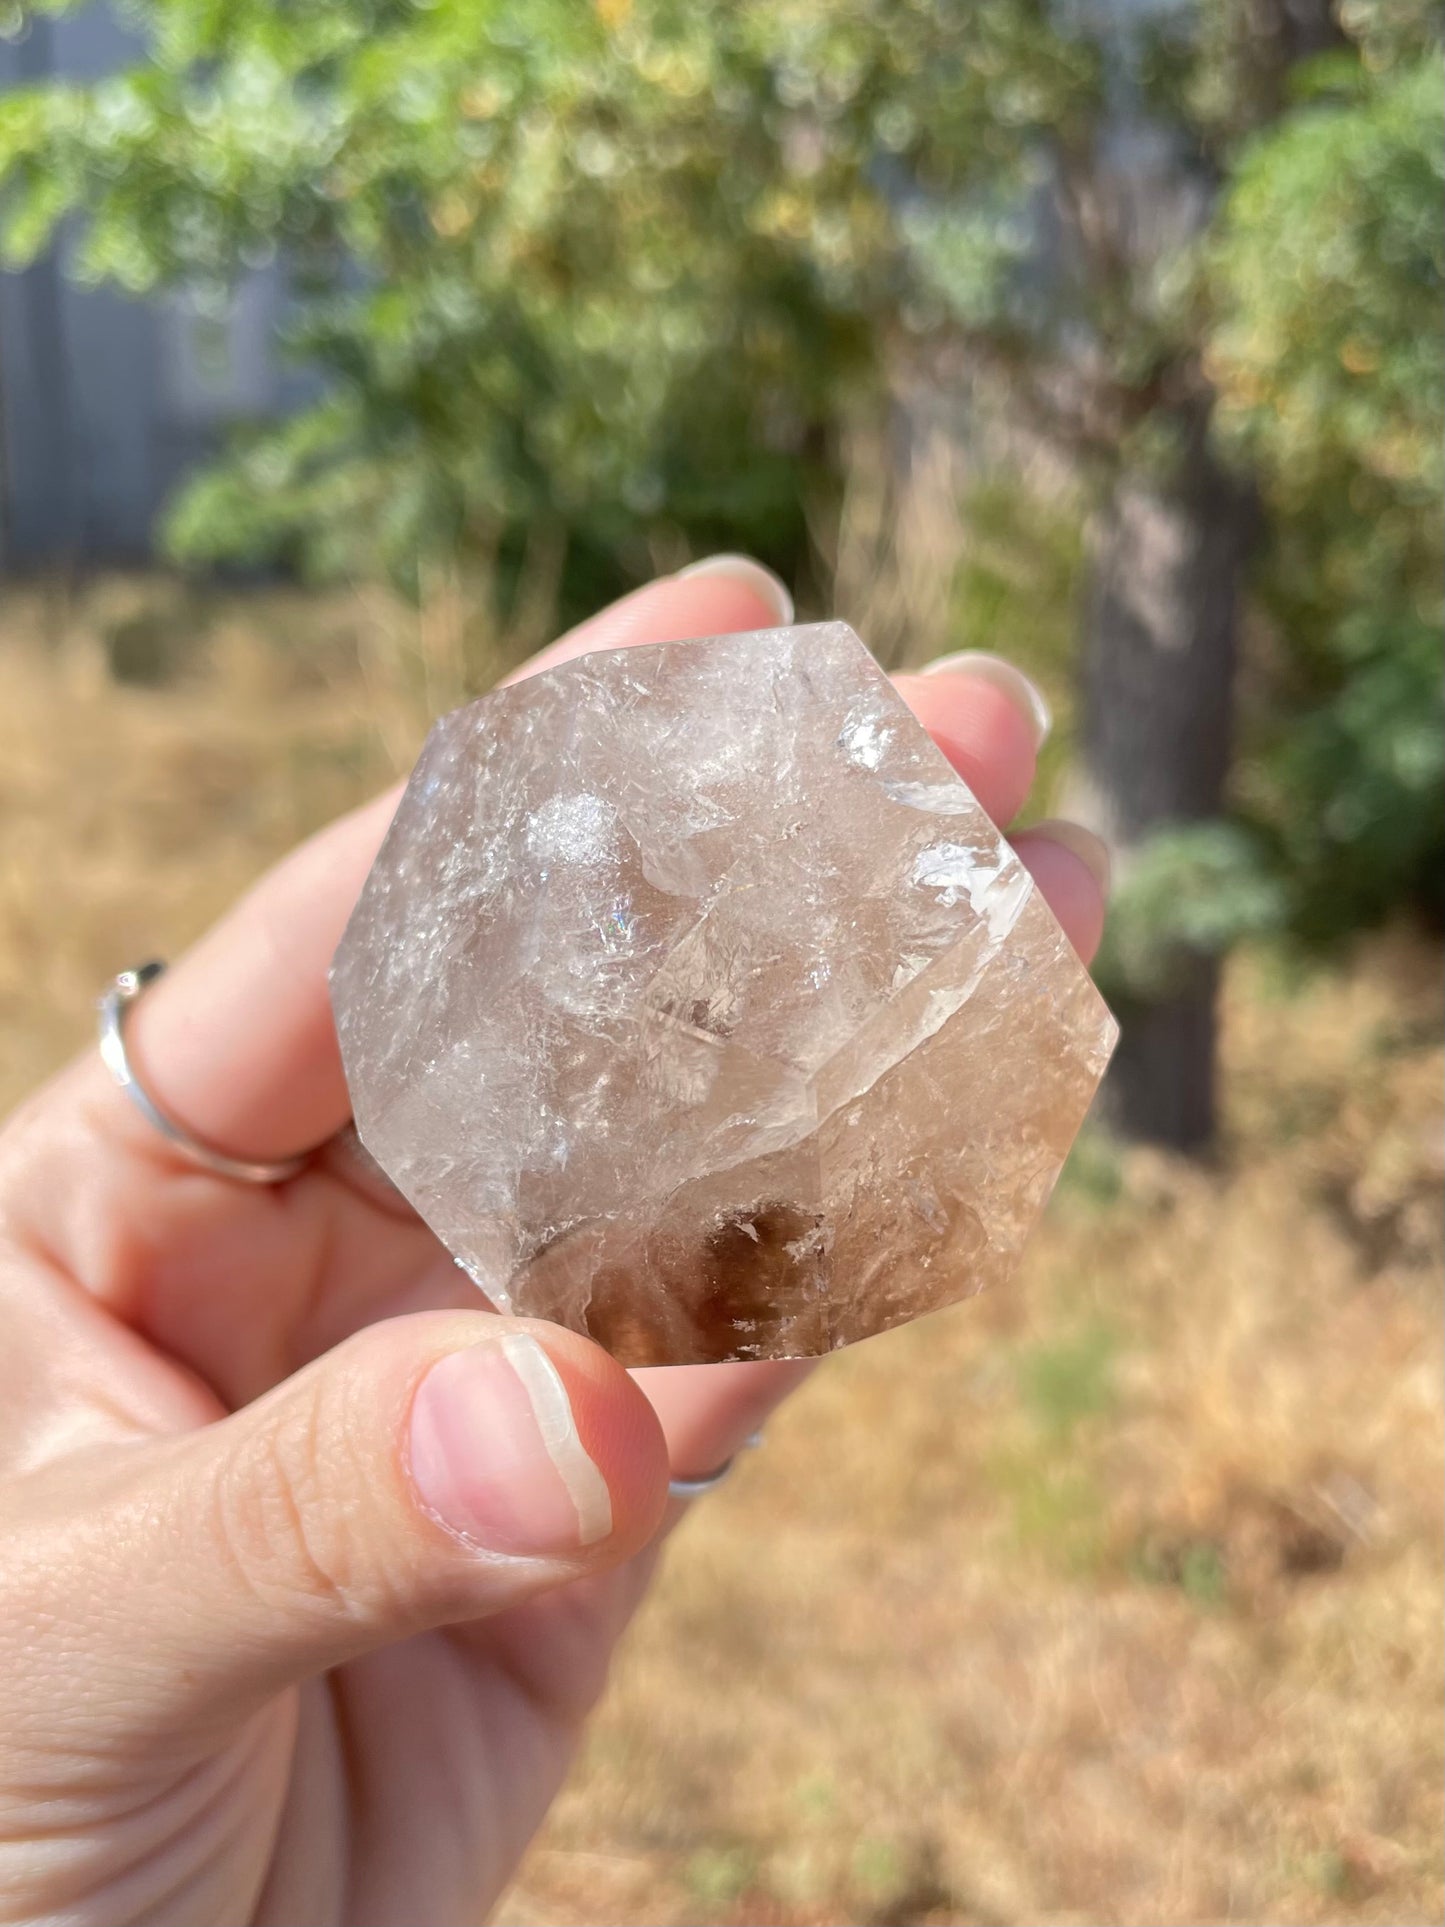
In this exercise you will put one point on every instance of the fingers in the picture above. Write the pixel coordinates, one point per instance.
(708, 1412)
(237, 1040)
(432, 1470)
(1071, 867)
(987, 728)
(990, 721)
(724, 595)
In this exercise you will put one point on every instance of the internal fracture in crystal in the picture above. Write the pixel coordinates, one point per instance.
(697, 1005)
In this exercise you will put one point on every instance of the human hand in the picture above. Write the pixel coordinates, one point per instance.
(300, 1610)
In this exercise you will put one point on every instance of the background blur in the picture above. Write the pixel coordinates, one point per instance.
(350, 349)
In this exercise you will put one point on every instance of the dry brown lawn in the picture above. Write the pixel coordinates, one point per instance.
(1112, 1597)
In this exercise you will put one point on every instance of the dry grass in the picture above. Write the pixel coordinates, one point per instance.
(1113, 1597)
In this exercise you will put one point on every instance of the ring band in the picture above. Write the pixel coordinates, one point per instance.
(127, 988)
(695, 1488)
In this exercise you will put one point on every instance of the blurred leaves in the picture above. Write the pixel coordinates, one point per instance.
(1071, 1380)
(1328, 271)
(620, 281)
(623, 268)
(1195, 890)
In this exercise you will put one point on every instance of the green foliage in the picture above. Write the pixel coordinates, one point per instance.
(1196, 890)
(1055, 1503)
(1195, 1566)
(619, 270)
(1066, 1382)
(1329, 269)
(1329, 264)
(1020, 578)
(1017, 588)
(1093, 1174)
(610, 282)
(719, 1876)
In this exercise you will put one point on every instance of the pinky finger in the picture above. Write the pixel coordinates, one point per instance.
(1071, 866)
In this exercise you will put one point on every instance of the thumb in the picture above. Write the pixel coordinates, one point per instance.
(430, 1470)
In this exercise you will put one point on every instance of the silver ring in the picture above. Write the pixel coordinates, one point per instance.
(126, 989)
(694, 1488)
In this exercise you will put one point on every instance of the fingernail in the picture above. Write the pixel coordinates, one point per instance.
(742, 568)
(496, 1456)
(1019, 688)
(1092, 851)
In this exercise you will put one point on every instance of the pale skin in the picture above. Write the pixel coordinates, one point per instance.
(289, 1631)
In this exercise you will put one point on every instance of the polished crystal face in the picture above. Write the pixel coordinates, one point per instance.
(696, 1004)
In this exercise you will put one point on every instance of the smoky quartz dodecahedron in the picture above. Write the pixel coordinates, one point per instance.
(697, 1005)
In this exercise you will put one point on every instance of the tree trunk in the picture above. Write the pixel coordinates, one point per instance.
(1158, 672)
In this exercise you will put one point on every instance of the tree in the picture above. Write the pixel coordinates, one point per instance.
(588, 287)
(1327, 271)
(1191, 278)
(594, 281)
(1321, 280)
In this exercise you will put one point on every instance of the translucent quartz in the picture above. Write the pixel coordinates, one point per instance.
(696, 1004)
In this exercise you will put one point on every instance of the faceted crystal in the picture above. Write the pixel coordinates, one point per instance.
(697, 1005)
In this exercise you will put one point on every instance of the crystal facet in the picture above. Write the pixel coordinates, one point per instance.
(697, 1005)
